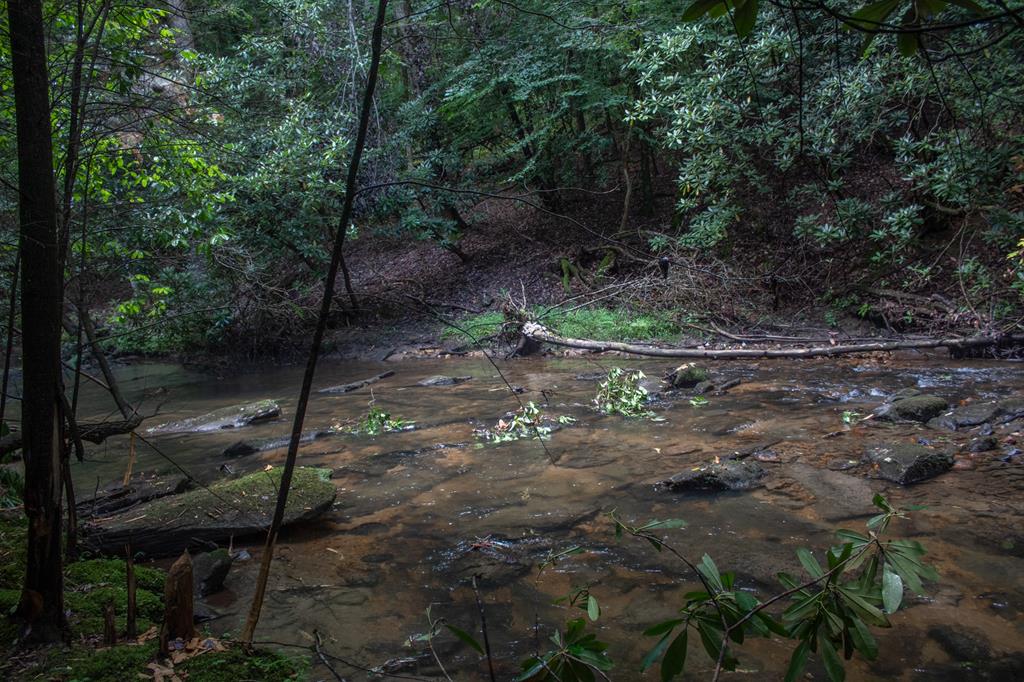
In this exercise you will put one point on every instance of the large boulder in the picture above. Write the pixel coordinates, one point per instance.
(232, 417)
(917, 408)
(909, 463)
(717, 476)
(224, 510)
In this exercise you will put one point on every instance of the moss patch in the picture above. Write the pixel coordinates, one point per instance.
(91, 585)
(235, 664)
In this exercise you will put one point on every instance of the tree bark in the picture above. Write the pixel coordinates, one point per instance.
(42, 599)
(321, 328)
(540, 333)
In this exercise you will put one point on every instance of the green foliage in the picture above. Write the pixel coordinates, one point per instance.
(621, 393)
(527, 422)
(830, 613)
(576, 655)
(378, 421)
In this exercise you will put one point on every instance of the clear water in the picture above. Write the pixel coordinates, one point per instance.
(408, 522)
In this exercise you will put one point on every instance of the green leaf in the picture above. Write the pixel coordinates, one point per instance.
(831, 660)
(465, 637)
(892, 589)
(862, 638)
(797, 662)
(675, 657)
(710, 572)
(593, 608)
(970, 6)
(809, 563)
(745, 17)
(663, 627)
(655, 653)
(699, 9)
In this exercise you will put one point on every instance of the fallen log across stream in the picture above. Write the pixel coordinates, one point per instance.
(540, 333)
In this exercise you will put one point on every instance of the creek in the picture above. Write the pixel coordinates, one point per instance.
(412, 521)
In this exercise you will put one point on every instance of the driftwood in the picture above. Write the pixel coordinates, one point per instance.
(355, 385)
(540, 333)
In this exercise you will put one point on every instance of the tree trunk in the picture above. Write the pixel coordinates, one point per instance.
(42, 599)
(178, 623)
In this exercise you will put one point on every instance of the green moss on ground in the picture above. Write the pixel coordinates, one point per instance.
(90, 585)
(599, 324)
(235, 664)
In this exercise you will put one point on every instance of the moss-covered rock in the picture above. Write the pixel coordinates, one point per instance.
(918, 408)
(235, 508)
(687, 376)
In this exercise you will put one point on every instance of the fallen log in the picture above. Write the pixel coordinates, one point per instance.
(355, 385)
(540, 333)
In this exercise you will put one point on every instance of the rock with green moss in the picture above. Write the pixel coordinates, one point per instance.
(236, 508)
(687, 376)
(232, 417)
(917, 408)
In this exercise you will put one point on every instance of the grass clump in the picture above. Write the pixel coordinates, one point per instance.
(599, 324)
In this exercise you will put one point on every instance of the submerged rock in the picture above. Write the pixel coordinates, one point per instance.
(236, 508)
(918, 408)
(717, 476)
(232, 417)
(495, 560)
(961, 643)
(983, 444)
(440, 380)
(965, 416)
(909, 463)
(687, 376)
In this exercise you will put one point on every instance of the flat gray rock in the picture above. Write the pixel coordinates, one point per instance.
(717, 476)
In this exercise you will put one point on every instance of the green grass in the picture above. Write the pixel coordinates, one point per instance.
(599, 324)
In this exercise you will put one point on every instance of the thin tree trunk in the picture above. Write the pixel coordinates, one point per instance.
(101, 359)
(629, 183)
(42, 599)
(12, 311)
(538, 332)
(321, 327)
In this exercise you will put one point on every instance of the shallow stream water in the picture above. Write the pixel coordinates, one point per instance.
(411, 522)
